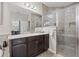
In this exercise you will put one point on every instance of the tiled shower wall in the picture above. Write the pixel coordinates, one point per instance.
(49, 19)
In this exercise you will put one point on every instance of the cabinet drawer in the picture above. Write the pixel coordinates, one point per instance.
(18, 41)
(33, 38)
(46, 36)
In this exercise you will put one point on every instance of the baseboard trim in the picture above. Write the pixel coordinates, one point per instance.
(52, 51)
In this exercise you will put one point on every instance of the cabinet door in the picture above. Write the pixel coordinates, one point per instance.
(35, 45)
(32, 48)
(19, 50)
(40, 45)
(46, 42)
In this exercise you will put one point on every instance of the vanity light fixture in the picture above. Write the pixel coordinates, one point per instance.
(27, 4)
(30, 6)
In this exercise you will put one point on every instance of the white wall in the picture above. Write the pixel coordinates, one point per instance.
(4, 28)
(44, 9)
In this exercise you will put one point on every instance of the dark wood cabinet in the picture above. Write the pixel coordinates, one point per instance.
(40, 45)
(18, 47)
(30, 46)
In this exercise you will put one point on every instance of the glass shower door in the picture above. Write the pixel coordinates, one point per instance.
(60, 31)
(77, 28)
(67, 40)
(70, 32)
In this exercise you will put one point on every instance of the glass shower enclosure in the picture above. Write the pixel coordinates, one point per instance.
(67, 32)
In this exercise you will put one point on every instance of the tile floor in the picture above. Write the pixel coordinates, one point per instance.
(49, 54)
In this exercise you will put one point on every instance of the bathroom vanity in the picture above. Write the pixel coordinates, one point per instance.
(28, 45)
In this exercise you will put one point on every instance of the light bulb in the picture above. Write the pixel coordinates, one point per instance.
(31, 6)
(27, 4)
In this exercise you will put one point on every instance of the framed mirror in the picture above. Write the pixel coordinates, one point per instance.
(1, 13)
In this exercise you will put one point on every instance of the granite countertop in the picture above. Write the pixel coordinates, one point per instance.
(24, 35)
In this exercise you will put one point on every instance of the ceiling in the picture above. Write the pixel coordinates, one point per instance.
(57, 4)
